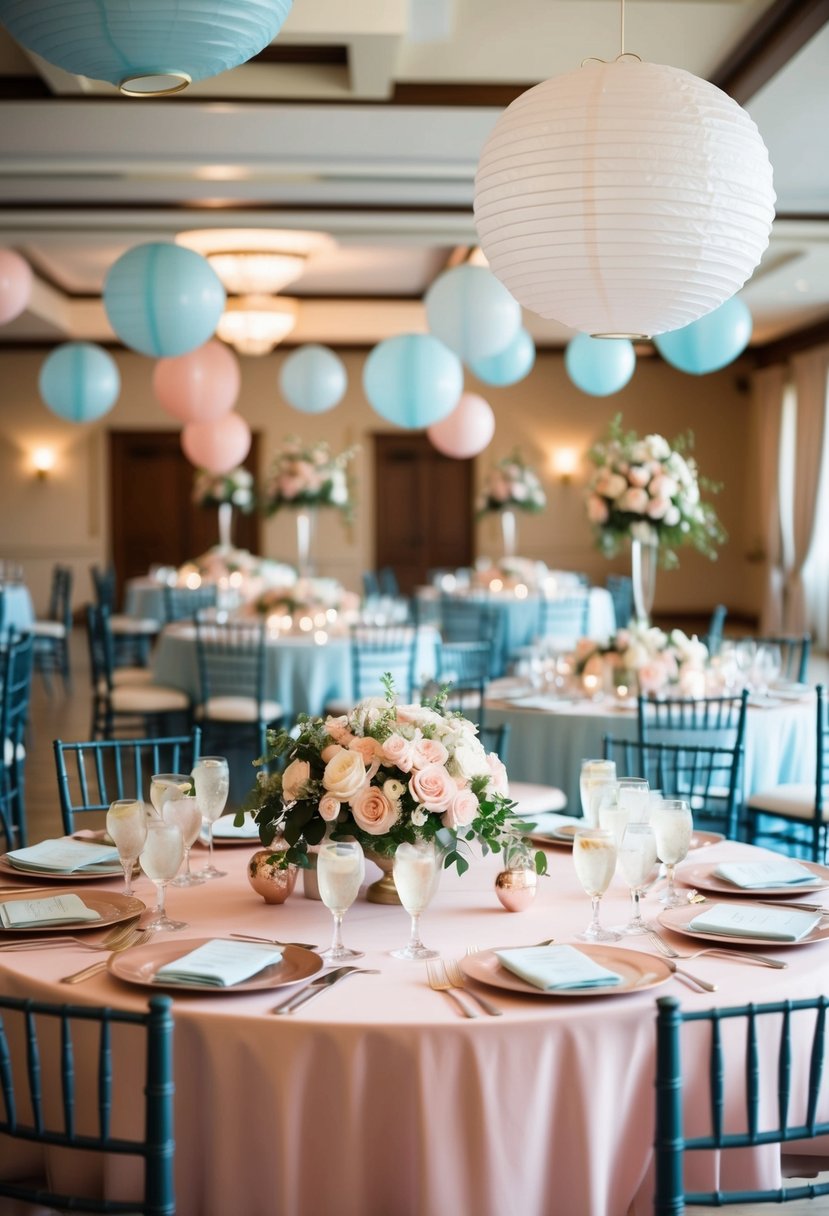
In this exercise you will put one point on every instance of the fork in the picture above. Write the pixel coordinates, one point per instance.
(41, 943)
(439, 981)
(667, 949)
(137, 938)
(457, 978)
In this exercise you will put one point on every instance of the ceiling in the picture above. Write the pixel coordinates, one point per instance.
(365, 120)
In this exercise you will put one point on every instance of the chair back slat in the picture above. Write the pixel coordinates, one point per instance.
(184, 603)
(563, 618)
(816, 1069)
(105, 1079)
(752, 1077)
(33, 1071)
(717, 1079)
(378, 649)
(67, 1076)
(9, 1119)
(784, 1072)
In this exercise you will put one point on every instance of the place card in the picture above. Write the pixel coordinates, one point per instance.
(755, 875)
(51, 910)
(743, 920)
(549, 967)
(63, 856)
(219, 964)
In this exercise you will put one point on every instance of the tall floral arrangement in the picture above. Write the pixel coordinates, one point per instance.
(308, 475)
(654, 658)
(650, 490)
(511, 485)
(214, 489)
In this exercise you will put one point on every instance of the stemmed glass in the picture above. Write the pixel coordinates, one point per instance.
(211, 777)
(127, 826)
(168, 785)
(184, 813)
(416, 874)
(672, 826)
(160, 859)
(340, 870)
(594, 775)
(634, 794)
(594, 855)
(637, 858)
(767, 666)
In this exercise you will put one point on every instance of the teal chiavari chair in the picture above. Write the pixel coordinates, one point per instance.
(667, 717)
(52, 634)
(183, 603)
(16, 666)
(715, 627)
(800, 1030)
(43, 1110)
(620, 587)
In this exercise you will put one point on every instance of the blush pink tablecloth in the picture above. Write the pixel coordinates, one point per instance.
(379, 1100)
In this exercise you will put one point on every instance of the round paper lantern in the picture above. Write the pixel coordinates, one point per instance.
(599, 366)
(413, 380)
(510, 365)
(198, 387)
(467, 430)
(313, 379)
(217, 446)
(15, 285)
(145, 48)
(474, 314)
(163, 299)
(624, 199)
(79, 382)
(710, 343)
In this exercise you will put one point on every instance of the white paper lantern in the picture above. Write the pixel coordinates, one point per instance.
(624, 198)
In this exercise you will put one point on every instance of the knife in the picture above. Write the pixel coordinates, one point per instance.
(821, 908)
(319, 985)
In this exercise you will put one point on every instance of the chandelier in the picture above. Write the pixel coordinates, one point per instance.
(255, 324)
(255, 261)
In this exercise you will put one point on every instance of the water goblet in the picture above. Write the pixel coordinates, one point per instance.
(211, 778)
(160, 859)
(168, 785)
(637, 858)
(672, 826)
(594, 774)
(185, 814)
(613, 815)
(340, 870)
(634, 794)
(594, 855)
(127, 826)
(416, 874)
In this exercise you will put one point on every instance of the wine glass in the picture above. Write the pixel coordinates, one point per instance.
(634, 794)
(211, 777)
(340, 870)
(185, 814)
(416, 874)
(160, 859)
(672, 826)
(637, 858)
(767, 666)
(594, 855)
(127, 826)
(168, 785)
(613, 816)
(594, 774)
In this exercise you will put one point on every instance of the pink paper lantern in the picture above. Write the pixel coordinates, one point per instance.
(15, 285)
(217, 446)
(200, 386)
(466, 431)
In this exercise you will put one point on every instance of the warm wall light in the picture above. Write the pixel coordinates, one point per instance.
(565, 462)
(43, 461)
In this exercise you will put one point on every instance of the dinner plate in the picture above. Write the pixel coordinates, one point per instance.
(105, 872)
(562, 838)
(220, 840)
(677, 919)
(700, 839)
(111, 908)
(703, 877)
(638, 971)
(139, 965)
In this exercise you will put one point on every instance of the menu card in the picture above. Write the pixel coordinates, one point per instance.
(756, 920)
(64, 856)
(219, 964)
(755, 875)
(52, 910)
(554, 967)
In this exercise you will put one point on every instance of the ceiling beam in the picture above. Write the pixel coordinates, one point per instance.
(782, 349)
(780, 33)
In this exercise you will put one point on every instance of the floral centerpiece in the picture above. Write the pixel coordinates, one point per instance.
(215, 489)
(508, 573)
(383, 774)
(308, 475)
(646, 657)
(511, 485)
(649, 490)
(322, 603)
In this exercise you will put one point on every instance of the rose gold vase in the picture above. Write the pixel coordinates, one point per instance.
(268, 879)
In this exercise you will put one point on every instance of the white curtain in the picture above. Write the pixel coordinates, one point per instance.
(769, 388)
(810, 373)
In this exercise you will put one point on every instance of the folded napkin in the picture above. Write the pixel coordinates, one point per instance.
(52, 910)
(755, 875)
(553, 967)
(65, 856)
(550, 823)
(225, 829)
(744, 920)
(219, 964)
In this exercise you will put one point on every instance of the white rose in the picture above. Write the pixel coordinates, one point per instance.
(294, 779)
(672, 516)
(344, 775)
(468, 760)
(657, 447)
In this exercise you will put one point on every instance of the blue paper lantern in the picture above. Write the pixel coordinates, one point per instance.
(710, 343)
(599, 366)
(413, 380)
(79, 382)
(510, 365)
(143, 48)
(471, 312)
(313, 379)
(163, 300)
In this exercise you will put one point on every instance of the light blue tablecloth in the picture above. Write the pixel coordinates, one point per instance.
(18, 613)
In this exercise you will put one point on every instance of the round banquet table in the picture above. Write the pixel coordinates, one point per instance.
(379, 1099)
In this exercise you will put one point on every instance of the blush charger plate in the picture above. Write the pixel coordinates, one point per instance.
(677, 920)
(112, 908)
(7, 867)
(703, 878)
(638, 971)
(139, 965)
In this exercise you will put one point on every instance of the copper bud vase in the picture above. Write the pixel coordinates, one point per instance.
(268, 879)
(516, 889)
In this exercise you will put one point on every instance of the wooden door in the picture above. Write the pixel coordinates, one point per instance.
(423, 504)
(153, 519)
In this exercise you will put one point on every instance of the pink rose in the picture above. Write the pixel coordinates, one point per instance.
(294, 779)
(428, 751)
(374, 812)
(500, 781)
(634, 500)
(329, 808)
(639, 475)
(398, 751)
(597, 511)
(652, 676)
(338, 729)
(594, 667)
(663, 487)
(329, 752)
(657, 507)
(366, 746)
(433, 787)
(463, 809)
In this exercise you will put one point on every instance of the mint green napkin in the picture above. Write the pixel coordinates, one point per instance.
(756, 920)
(219, 964)
(755, 875)
(53, 910)
(64, 856)
(552, 967)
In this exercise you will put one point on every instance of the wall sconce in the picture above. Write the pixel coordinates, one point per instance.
(43, 461)
(565, 462)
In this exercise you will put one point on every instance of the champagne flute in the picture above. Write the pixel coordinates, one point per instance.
(594, 774)
(168, 785)
(672, 826)
(594, 855)
(637, 858)
(160, 859)
(211, 777)
(127, 826)
(340, 869)
(416, 874)
(185, 814)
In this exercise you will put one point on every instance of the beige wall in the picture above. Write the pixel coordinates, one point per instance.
(65, 517)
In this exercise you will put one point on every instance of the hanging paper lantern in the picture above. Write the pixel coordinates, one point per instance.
(217, 446)
(510, 365)
(79, 382)
(313, 379)
(710, 343)
(198, 387)
(467, 430)
(413, 380)
(474, 314)
(15, 285)
(624, 199)
(599, 366)
(163, 300)
(145, 48)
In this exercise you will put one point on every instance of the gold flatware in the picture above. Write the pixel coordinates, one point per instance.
(137, 938)
(439, 982)
(271, 941)
(457, 978)
(761, 959)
